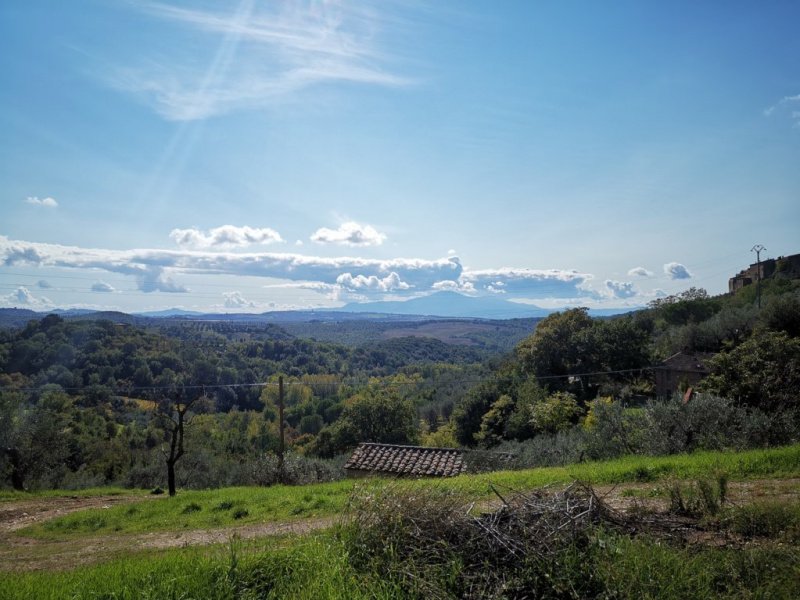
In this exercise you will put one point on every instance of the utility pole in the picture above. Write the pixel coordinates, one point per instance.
(758, 248)
(281, 428)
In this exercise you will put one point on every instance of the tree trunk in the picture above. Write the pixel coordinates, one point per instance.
(171, 477)
(17, 473)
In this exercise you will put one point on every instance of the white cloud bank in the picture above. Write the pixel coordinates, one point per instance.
(349, 234)
(46, 202)
(153, 269)
(676, 270)
(225, 237)
(343, 277)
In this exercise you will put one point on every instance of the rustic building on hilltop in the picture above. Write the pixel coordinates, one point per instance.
(680, 371)
(786, 267)
(404, 461)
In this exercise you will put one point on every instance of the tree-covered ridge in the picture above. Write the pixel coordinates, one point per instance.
(77, 354)
(108, 398)
(552, 378)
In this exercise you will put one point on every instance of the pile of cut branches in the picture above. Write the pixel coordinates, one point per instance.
(434, 544)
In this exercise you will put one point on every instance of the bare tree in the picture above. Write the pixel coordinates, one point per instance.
(173, 413)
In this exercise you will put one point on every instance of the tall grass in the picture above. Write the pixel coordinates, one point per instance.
(647, 569)
(309, 568)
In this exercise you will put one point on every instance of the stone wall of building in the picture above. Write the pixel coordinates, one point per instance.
(783, 266)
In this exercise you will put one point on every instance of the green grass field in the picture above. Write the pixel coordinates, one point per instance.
(206, 509)
(318, 565)
(241, 506)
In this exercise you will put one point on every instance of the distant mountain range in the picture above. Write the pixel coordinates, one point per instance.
(450, 305)
(169, 312)
(454, 305)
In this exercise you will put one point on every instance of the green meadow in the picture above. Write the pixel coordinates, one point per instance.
(319, 564)
(227, 507)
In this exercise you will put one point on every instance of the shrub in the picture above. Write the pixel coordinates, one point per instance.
(557, 413)
(772, 519)
(616, 431)
(191, 508)
(707, 422)
(763, 372)
(545, 450)
(428, 544)
(611, 430)
(703, 498)
(297, 470)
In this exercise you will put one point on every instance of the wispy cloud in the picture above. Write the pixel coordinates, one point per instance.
(349, 234)
(46, 202)
(226, 236)
(783, 103)
(103, 287)
(676, 270)
(640, 272)
(264, 54)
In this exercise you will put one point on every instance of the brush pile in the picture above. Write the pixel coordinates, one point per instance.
(432, 544)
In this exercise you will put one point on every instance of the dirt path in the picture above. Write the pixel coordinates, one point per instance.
(649, 496)
(19, 553)
(21, 513)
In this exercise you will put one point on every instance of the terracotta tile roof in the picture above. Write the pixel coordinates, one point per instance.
(415, 461)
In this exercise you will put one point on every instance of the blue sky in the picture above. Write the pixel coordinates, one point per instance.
(255, 156)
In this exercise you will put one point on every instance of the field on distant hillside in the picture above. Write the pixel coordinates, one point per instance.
(492, 336)
(450, 332)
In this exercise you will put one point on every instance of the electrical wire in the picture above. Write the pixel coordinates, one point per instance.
(120, 391)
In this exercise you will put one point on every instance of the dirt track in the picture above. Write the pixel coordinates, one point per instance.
(20, 553)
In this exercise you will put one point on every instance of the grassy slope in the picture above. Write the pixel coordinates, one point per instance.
(316, 566)
(226, 507)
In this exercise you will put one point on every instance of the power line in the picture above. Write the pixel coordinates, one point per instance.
(119, 391)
